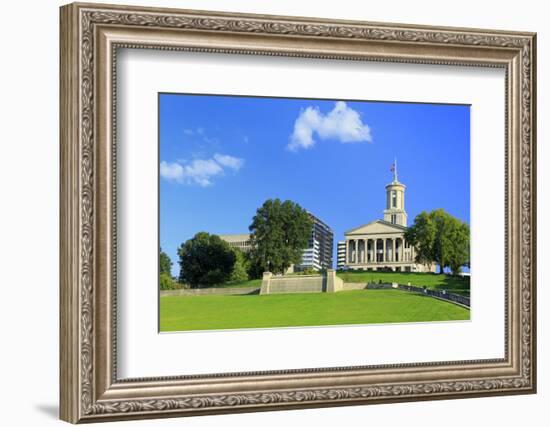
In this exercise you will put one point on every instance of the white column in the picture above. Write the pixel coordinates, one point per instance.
(372, 249)
(384, 250)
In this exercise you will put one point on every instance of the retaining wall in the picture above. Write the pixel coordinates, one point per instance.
(354, 286)
(328, 282)
(210, 291)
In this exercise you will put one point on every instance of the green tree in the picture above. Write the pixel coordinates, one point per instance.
(205, 260)
(167, 283)
(460, 248)
(280, 231)
(240, 267)
(422, 236)
(165, 263)
(441, 238)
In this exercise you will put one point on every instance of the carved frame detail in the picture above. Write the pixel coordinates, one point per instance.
(90, 390)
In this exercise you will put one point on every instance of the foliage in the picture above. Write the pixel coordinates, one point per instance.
(167, 283)
(280, 231)
(178, 313)
(441, 238)
(165, 263)
(240, 267)
(205, 260)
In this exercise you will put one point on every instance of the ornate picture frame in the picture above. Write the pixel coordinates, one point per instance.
(90, 37)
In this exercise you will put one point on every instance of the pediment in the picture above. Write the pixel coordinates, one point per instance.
(376, 227)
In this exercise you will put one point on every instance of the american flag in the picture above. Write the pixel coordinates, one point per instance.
(392, 169)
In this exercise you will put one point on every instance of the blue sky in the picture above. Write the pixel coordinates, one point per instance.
(221, 157)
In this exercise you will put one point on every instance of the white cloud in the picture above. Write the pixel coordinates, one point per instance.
(171, 171)
(229, 161)
(200, 171)
(342, 123)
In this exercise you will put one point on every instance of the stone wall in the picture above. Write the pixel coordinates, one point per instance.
(210, 291)
(354, 286)
(328, 282)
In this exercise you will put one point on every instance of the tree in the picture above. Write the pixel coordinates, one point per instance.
(441, 238)
(422, 236)
(460, 249)
(280, 231)
(165, 263)
(205, 260)
(240, 267)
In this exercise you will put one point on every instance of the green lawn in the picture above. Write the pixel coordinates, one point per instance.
(181, 313)
(454, 284)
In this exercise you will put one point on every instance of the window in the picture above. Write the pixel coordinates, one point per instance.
(394, 199)
(393, 219)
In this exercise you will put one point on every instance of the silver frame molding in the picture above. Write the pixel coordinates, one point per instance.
(90, 37)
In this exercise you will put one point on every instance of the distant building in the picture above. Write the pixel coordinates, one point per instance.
(239, 241)
(318, 254)
(381, 244)
(341, 255)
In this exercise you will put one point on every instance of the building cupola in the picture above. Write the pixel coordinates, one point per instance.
(395, 200)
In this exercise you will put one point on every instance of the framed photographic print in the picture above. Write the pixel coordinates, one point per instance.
(265, 212)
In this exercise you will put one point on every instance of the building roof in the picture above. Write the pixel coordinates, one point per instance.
(316, 218)
(235, 237)
(376, 226)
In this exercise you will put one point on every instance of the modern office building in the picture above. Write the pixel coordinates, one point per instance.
(318, 255)
(341, 255)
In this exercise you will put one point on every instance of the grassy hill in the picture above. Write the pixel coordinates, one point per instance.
(455, 284)
(186, 313)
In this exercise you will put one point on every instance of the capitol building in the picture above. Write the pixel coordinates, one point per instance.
(381, 244)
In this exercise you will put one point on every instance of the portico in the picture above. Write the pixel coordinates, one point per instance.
(379, 245)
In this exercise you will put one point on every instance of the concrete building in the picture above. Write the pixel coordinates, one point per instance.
(318, 254)
(341, 255)
(381, 244)
(239, 241)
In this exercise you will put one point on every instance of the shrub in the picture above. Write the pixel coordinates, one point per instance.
(167, 283)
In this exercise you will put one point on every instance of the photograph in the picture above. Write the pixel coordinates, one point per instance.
(291, 212)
